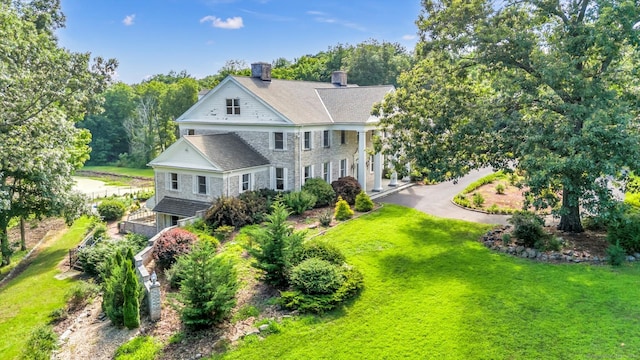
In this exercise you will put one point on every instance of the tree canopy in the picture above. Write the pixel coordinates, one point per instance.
(546, 87)
(44, 90)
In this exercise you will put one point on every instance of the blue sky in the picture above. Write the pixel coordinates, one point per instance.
(155, 36)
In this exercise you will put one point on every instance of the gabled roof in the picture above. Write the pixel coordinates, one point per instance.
(306, 102)
(180, 207)
(348, 104)
(227, 151)
(214, 152)
(309, 102)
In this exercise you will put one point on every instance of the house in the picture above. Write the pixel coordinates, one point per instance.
(257, 132)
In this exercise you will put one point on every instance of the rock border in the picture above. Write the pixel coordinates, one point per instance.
(493, 241)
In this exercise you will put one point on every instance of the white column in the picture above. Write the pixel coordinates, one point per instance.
(362, 160)
(377, 171)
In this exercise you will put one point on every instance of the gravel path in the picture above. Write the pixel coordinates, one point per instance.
(436, 200)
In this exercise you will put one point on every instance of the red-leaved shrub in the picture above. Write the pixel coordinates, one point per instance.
(172, 244)
(348, 188)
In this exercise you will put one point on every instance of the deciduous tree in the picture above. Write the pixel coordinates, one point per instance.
(45, 89)
(549, 87)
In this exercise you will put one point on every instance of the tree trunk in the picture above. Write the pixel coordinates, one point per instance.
(23, 243)
(4, 241)
(570, 218)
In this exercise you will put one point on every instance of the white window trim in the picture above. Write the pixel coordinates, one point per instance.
(240, 190)
(196, 185)
(328, 171)
(303, 180)
(274, 180)
(310, 140)
(170, 181)
(272, 140)
(346, 168)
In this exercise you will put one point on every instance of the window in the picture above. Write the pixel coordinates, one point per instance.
(308, 173)
(174, 220)
(371, 163)
(174, 181)
(280, 178)
(202, 185)
(191, 132)
(245, 183)
(325, 138)
(343, 167)
(326, 172)
(278, 141)
(233, 106)
(343, 137)
(307, 140)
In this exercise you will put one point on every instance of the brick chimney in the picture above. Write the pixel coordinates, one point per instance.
(339, 78)
(261, 70)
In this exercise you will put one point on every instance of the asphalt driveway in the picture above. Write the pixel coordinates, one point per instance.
(436, 200)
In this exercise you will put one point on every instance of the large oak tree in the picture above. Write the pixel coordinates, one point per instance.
(550, 87)
(44, 90)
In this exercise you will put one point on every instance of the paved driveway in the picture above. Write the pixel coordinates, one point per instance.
(436, 200)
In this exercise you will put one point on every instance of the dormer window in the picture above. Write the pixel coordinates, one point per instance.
(233, 106)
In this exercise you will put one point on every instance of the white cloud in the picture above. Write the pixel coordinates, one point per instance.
(230, 23)
(408, 37)
(322, 17)
(128, 20)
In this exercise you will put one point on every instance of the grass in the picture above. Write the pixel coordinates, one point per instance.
(121, 171)
(139, 348)
(28, 299)
(433, 291)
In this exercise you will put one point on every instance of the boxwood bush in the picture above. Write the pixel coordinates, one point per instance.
(111, 209)
(323, 191)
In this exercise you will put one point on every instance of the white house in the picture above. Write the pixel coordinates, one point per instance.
(256, 132)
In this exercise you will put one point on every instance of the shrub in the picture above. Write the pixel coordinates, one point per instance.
(131, 306)
(276, 245)
(172, 244)
(347, 188)
(321, 250)
(203, 231)
(41, 344)
(493, 209)
(80, 293)
(478, 199)
(342, 210)
(528, 227)
(144, 195)
(322, 190)
(500, 189)
(209, 287)
(58, 315)
(319, 303)
(363, 202)
(462, 200)
(176, 273)
(299, 201)
(139, 348)
(625, 232)
(316, 276)
(223, 233)
(616, 255)
(325, 218)
(94, 259)
(506, 239)
(100, 232)
(257, 205)
(246, 312)
(594, 223)
(228, 211)
(111, 209)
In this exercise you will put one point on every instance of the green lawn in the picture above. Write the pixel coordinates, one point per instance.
(433, 292)
(27, 300)
(144, 173)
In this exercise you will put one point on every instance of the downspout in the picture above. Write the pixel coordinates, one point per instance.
(299, 166)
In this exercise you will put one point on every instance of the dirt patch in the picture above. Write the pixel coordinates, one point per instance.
(133, 181)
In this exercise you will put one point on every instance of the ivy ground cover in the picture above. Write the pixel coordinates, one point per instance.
(433, 291)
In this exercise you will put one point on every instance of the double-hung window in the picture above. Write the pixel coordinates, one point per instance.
(202, 185)
(343, 137)
(174, 181)
(233, 106)
(278, 141)
(245, 182)
(326, 172)
(280, 178)
(326, 140)
(308, 172)
(343, 168)
(307, 140)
